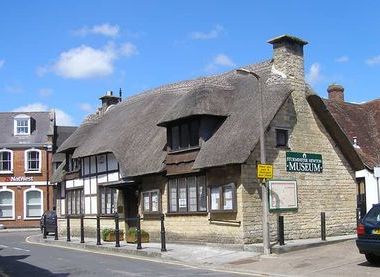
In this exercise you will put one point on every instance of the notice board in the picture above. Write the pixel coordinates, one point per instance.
(282, 195)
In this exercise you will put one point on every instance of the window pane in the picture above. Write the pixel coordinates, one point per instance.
(175, 138)
(146, 202)
(102, 201)
(33, 197)
(173, 195)
(182, 195)
(33, 210)
(192, 193)
(215, 198)
(77, 202)
(114, 200)
(5, 161)
(185, 136)
(282, 137)
(227, 198)
(202, 200)
(5, 198)
(194, 133)
(6, 211)
(154, 195)
(109, 202)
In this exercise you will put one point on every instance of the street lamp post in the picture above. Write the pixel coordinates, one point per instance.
(264, 188)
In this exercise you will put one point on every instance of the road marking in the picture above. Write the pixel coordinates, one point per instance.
(3, 246)
(20, 249)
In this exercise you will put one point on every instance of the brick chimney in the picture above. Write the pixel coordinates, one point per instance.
(336, 92)
(288, 56)
(109, 99)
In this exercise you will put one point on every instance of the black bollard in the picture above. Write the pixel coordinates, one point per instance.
(117, 231)
(280, 230)
(98, 230)
(323, 226)
(81, 229)
(163, 238)
(138, 233)
(44, 228)
(56, 227)
(68, 228)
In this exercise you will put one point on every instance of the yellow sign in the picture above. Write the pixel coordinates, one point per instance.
(264, 171)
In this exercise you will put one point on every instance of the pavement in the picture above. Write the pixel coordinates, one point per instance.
(214, 256)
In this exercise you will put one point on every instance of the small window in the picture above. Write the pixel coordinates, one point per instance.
(33, 203)
(151, 201)
(22, 125)
(223, 198)
(6, 161)
(6, 204)
(281, 137)
(187, 194)
(184, 135)
(107, 200)
(33, 161)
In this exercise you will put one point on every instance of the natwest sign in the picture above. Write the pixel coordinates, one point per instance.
(19, 179)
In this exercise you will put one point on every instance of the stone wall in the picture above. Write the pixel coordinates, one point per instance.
(204, 227)
(333, 191)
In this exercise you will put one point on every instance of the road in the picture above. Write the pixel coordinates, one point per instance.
(19, 258)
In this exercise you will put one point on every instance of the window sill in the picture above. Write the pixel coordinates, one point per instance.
(6, 172)
(184, 213)
(33, 172)
(8, 218)
(283, 147)
(184, 150)
(151, 215)
(222, 211)
(32, 218)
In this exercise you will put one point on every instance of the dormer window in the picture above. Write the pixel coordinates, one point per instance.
(32, 161)
(22, 125)
(184, 134)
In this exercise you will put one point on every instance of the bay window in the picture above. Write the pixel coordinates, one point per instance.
(75, 201)
(107, 200)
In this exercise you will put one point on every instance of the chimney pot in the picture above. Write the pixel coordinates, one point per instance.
(336, 92)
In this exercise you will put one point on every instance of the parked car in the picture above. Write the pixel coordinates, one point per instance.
(368, 232)
(51, 217)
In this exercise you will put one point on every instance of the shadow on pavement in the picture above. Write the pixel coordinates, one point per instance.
(367, 264)
(12, 266)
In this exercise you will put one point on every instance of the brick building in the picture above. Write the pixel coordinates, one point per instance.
(26, 144)
(190, 150)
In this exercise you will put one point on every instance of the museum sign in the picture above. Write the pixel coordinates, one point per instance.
(303, 162)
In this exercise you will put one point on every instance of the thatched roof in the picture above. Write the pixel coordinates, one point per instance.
(61, 134)
(130, 130)
(59, 173)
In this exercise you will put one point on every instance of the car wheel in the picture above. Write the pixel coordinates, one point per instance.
(372, 259)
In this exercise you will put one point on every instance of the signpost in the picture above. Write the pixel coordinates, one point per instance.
(264, 171)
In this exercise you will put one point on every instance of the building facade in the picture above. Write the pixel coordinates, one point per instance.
(26, 144)
(190, 151)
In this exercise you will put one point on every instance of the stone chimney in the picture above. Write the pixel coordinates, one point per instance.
(288, 56)
(109, 99)
(336, 92)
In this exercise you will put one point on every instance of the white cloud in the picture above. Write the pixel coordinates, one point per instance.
(2, 63)
(220, 60)
(105, 29)
(314, 74)
(86, 62)
(45, 92)
(128, 49)
(214, 33)
(373, 61)
(86, 107)
(342, 59)
(63, 119)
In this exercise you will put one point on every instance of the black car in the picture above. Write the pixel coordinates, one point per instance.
(368, 232)
(51, 219)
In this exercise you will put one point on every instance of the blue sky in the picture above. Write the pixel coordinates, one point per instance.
(66, 54)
